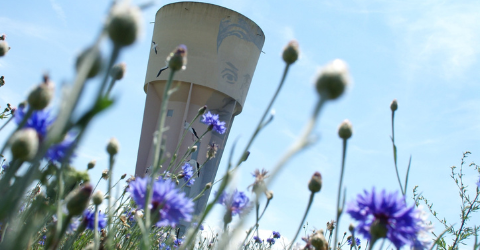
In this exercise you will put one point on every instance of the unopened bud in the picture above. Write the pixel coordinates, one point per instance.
(125, 24)
(4, 48)
(193, 149)
(315, 183)
(378, 229)
(2, 80)
(290, 53)
(123, 176)
(345, 130)
(24, 144)
(245, 156)
(394, 105)
(269, 194)
(202, 110)
(41, 95)
(97, 198)
(113, 146)
(118, 70)
(333, 80)
(177, 60)
(77, 200)
(208, 185)
(318, 240)
(105, 174)
(91, 164)
(96, 65)
(351, 228)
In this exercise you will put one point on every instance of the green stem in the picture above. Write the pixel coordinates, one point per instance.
(312, 194)
(395, 154)
(96, 236)
(339, 190)
(110, 214)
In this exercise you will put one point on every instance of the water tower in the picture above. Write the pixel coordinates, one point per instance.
(223, 50)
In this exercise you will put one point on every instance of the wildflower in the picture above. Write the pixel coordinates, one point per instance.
(259, 185)
(383, 215)
(41, 242)
(24, 144)
(394, 105)
(290, 53)
(333, 80)
(58, 152)
(276, 235)
(177, 60)
(212, 121)
(188, 174)
(177, 242)
(124, 24)
(39, 120)
(236, 202)
(105, 174)
(212, 150)
(357, 241)
(331, 226)
(315, 183)
(271, 241)
(257, 239)
(172, 204)
(163, 246)
(89, 220)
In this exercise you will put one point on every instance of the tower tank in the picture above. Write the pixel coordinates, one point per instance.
(223, 50)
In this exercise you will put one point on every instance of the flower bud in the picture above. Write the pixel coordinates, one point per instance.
(351, 228)
(2, 80)
(40, 96)
(245, 156)
(202, 110)
(315, 183)
(290, 53)
(378, 229)
(113, 146)
(345, 130)
(123, 176)
(24, 144)
(4, 48)
(208, 185)
(193, 149)
(318, 241)
(77, 200)
(95, 67)
(118, 70)
(394, 105)
(177, 60)
(97, 198)
(269, 194)
(333, 80)
(124, 24)
(91, 164)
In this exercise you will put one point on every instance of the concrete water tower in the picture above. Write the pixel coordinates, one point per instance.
(223, 50)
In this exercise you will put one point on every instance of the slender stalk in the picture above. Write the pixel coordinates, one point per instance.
(110, 87)
(110, 214)
(312, 195)
(96, 236)
(5, 124)
(464, 219)
(339, 190)
(395, 154)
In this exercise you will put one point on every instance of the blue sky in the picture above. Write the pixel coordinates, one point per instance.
(425, 54)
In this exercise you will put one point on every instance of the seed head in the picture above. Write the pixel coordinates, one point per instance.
(24, 144)
(124, 24)
(113, 146)
(40, 96)
(4, 48)
(333, 80)
(95, 67)
(177, 60)
(318, 240)
(394, 105)
(345, 130)
(315, 183)
(123, 176)
(118, 70)
(91, 164)
(97, 198)
(291, 52)
(77, 200)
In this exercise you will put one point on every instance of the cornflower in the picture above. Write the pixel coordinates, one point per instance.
(188, 174)
(58, 152)
(276, 235)
(171, 203)
(259, 185)
(382, 215)
(236, 202)
(40, 120)
(212, 121)
(89, 220)
(271, 241)
(257, 239)
(357, 241)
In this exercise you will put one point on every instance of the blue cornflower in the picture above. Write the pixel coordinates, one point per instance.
(389, 215)
(163, 246)
(236, 202)
(172, 203)
(257, 239)
(41, 242)
(89, 220)
(276, 235)
(357, 241)
(40, 120)
(478, 183)
(212, 120)
(177, 243)
(271, 241)
(57, 152)
(188, 174)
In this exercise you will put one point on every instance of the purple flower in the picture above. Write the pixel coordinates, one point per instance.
(39, 120)
(89, 219)
(478, 183)
(177, 242)
(235, 202)
(5, 166)
(41, 243)
(385, 215)
(276, 235)
(58, 152)
(163, 246)
(257, 239)
(188, 174)
(212, 120)
(271, 241)
(357, 241)
(172, 204)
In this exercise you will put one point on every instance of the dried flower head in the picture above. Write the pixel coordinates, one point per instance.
(330, 226)
(258, 185)
(105, 174)
(333, 80)
(212, 150)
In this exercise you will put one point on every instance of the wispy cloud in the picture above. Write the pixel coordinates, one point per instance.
(59, 10)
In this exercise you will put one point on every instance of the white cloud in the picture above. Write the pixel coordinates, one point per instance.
(59, 10)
